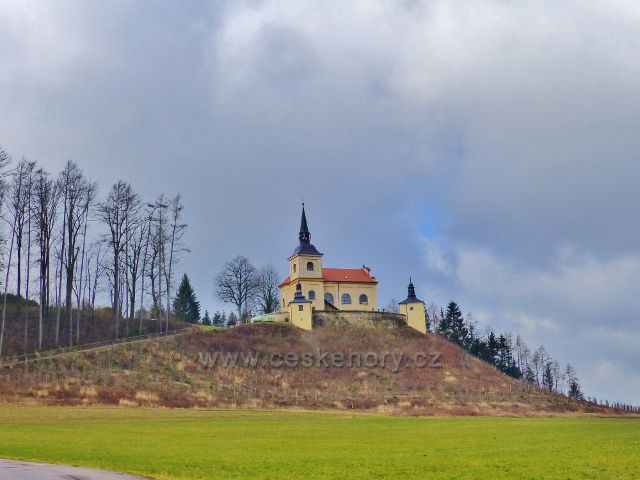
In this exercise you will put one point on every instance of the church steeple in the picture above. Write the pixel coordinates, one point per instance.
(305, 247)
(411, 290)
(411, 294)
(304, 235)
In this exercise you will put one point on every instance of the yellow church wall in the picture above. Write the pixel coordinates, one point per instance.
(416, 317)
(337, 289)
(288, 291)
(298, 267)
(300, 315)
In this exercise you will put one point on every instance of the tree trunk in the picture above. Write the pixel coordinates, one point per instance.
(6, 284)
(26, 290)
(84, 241)
(59, 299)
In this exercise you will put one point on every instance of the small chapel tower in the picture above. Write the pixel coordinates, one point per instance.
(413, 309)
(300, 313)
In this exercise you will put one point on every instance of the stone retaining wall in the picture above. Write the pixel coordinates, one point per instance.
(345, 318)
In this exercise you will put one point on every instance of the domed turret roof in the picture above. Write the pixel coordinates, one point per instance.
(304, 236)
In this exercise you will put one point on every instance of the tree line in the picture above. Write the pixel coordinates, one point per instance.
(512, 357)
(65, 246)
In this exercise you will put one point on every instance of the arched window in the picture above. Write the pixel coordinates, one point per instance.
(294, 268)
(309, 266)
(312, 295)
(346, 299)
(364, 299)
(329, 298)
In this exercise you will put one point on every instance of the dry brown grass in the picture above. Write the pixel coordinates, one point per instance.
(165, 372)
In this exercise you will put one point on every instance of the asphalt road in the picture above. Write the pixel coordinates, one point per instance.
(18, 470)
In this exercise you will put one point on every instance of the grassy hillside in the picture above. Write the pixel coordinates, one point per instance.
(201, 445)
(169, 372)
(96, 326)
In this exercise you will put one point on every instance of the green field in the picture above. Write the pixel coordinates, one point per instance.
(191, 444)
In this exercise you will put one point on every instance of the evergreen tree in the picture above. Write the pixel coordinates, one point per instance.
(206, 320)
(547, 377)
(574, 391)
(217, 320)
(232, 320)
(471, 337)
(443, 327)
(504, 354)
(492, 348)
(185, 306)
(529, 375)
(455, 324)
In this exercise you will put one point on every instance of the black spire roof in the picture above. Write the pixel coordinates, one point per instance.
(299, 296)
(305, 247)
(304, 235)
(411, 297)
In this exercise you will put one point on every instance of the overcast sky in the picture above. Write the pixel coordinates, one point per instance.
(488, 149)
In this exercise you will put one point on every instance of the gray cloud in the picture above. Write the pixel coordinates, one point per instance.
(488, 149)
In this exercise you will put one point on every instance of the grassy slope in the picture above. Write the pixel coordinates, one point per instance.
(164, 372)
(196, 444)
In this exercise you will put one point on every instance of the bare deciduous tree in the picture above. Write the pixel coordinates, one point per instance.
(433, 315)
(5, 160)
(89, 197)
(393, 306)
(148, 222)
(134, 256)
(176, 248)
(45, 213)
(78, 192)
(19, 203)
(267, 291)
(237, 283)
(114, 212)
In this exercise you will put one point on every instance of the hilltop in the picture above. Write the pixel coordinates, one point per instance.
(280, 366)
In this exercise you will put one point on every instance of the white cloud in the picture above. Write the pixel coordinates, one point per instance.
(516, 120)
(582, 309)
(38, 42)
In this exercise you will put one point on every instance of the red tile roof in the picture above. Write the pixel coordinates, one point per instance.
(355, 275)
(359, 275)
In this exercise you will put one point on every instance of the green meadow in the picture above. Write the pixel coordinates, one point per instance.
(199, 444)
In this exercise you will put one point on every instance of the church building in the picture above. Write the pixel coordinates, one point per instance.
(326, 288)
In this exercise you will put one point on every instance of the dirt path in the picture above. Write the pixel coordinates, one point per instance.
(19, 470)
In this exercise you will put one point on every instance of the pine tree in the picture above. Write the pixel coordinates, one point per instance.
(492, 348)
(206, 320)
(547, 377)
(185, 306)
(574, 391)
(443, 326)
(455, 328)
